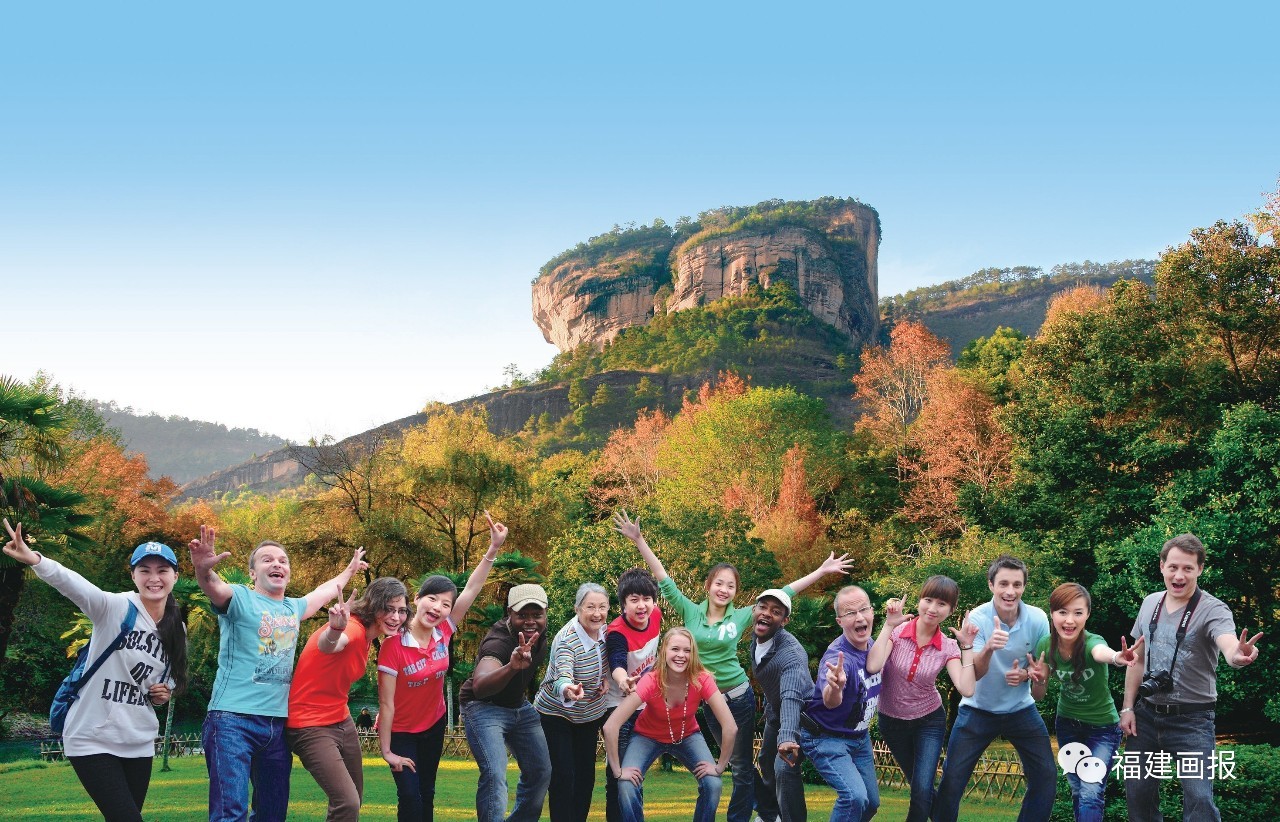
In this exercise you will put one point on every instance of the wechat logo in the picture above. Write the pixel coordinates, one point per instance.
(1076, 758)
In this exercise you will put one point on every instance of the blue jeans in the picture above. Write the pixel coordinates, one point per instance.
(743, 798)
(690, 751)
(1088, 799)
(916, 745)
(1175, 735)
(974, 730)
(783, 788)
(242, 750)
(849, 767)
(493, 730)
(416, 790)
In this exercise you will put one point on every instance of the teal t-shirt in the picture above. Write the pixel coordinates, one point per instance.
(718, 643)
(1088, 700)
(257, 639)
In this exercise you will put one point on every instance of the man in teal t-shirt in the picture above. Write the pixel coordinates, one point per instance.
(243, 733)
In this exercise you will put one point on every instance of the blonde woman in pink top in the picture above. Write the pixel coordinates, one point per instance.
(911, 651)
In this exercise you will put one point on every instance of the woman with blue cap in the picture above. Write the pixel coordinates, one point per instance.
(110, 731)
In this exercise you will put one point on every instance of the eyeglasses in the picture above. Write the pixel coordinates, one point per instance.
(398, 612)
(857, 611)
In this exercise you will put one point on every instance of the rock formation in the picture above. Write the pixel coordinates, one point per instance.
(826, 249)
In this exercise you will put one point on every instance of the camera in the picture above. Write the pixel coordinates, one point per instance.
(1156, 683)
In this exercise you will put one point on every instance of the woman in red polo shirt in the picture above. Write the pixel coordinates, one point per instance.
(411, 670)
(912, 719)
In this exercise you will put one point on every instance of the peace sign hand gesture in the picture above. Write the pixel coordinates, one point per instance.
(1246, 651)
(340, 612)
(522, 654)
(1038, 669)
(1129, 656)
(17, 547)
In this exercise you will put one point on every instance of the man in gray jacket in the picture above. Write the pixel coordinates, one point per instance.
(781, 669)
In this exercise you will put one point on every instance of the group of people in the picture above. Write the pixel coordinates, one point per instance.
(642, 689)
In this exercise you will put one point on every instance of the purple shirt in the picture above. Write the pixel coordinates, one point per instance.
(861, 692)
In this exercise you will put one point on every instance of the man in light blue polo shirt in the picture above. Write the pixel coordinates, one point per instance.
(1008, 630)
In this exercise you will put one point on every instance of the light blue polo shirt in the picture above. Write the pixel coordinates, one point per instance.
(992, 693)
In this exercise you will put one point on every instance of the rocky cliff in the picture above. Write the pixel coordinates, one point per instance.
(827, 250)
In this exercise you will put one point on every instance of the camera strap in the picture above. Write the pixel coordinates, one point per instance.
(1182, 627)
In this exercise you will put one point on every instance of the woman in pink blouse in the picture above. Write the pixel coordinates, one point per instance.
(911, 652)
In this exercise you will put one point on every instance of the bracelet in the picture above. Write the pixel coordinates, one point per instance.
(965, 647)
(966, 665)
(1126, 710)
(1115, 655)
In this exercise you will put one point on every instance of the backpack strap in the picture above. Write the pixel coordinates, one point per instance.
(126, 625)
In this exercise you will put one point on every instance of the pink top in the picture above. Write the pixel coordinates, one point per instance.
(909, 689)
(653, 720)
(419, 673)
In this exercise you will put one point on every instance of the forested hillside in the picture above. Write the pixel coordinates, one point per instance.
(184, 449)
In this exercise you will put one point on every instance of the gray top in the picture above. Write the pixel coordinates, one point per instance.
(783, 677)
(1195, 677)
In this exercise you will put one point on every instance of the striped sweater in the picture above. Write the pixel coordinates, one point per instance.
(574, 657)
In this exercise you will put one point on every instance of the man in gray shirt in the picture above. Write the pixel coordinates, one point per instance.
(781, 669)
(1170, 696)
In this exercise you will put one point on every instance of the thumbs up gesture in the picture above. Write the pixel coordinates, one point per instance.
(999, 636)
(1016, 675)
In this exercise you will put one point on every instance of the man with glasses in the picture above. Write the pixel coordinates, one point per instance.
(498, 716)
(834, 725)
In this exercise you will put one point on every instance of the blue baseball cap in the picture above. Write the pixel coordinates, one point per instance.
(153, 549)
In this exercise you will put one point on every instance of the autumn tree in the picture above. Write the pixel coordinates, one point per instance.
(626, 473)
(728, 449)
(955, 443)
(450, 470)
(892, 383)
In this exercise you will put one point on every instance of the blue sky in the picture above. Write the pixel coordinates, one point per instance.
(314, 218)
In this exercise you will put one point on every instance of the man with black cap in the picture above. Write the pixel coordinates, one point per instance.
(497, 713)
(781, 669)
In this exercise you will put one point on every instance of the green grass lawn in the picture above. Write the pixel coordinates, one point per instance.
(36, 791)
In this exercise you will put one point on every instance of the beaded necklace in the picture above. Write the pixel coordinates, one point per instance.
(684, 714)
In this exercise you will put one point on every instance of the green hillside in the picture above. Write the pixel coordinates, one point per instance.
(184, 449)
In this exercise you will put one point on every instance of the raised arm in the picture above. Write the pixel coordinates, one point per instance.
(88, 597)
(630, 529)
(879, 653)
(330, 588)
(982, 655)
(335, 638)
(831, 565)
(961, 670)
(204, 559)
(475, 582)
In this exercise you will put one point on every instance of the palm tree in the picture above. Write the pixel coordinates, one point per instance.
(34, 427)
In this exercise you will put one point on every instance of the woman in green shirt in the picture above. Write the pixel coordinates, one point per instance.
(717, 627)
(1087, 725)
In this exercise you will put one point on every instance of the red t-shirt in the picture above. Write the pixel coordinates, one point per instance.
(653, 720)
(321, 682)
(419, 672)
